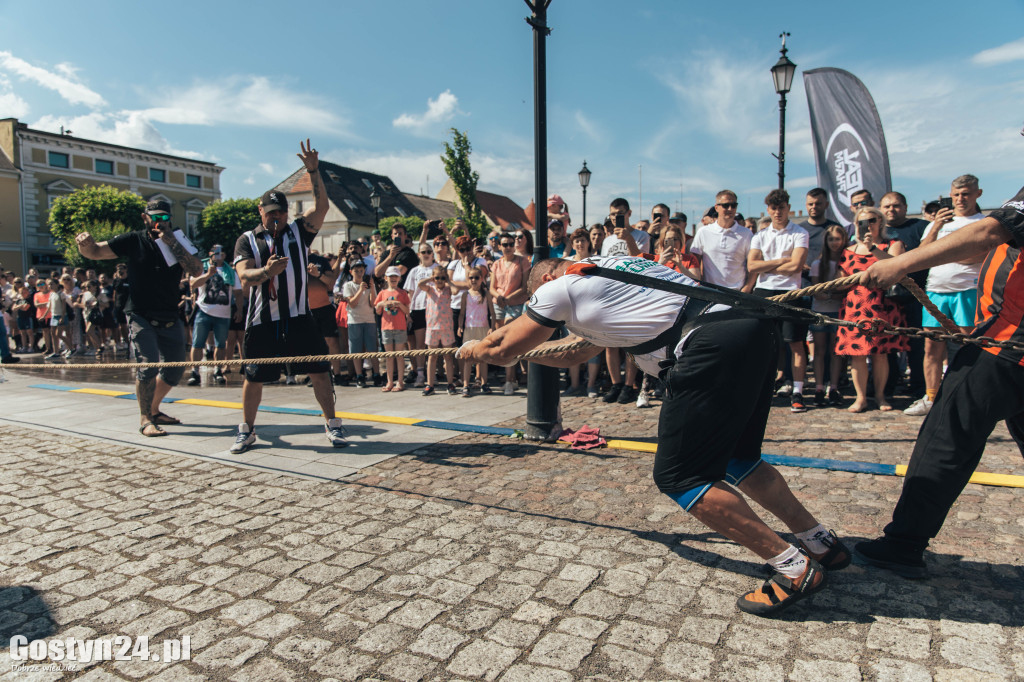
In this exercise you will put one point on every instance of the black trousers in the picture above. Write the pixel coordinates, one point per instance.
(978, 391)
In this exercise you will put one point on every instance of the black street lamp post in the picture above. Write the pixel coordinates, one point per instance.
(375, 203)
(542, 409)
(584, 182)
(782, 75)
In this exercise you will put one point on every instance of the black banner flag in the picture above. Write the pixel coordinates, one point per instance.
(849, 145)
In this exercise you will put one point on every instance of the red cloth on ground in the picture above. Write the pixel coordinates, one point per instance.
(583, 438)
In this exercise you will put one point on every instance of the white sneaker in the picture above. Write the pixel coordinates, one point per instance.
(592, 393)
(510, 388)
(643, 400)
(420, 381)
(244, 439)
(785, 389)
(335, 433)
(920, 408)
(290, 381)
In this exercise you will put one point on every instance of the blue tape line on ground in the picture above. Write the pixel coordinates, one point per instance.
(53, 387)
(290, 410)
(468, 428)
(832, 464)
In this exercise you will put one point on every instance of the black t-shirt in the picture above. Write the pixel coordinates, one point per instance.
(815, 238)
(120, 298)
(910, 233)
(152, 284)
(409, 259)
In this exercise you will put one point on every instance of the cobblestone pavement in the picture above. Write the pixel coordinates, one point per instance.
(482, 558)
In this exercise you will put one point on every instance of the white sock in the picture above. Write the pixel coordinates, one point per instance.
(798, 387)
(813, 538)
(790, 563)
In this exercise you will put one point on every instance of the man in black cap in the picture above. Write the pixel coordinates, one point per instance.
(156, 258)
(273, 260)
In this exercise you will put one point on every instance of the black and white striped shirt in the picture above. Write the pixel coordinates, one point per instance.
(284, 296)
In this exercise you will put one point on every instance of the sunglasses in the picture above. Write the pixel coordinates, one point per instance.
(440, 279)
(426, 253)
(440, 243)
(519, 236)
(872, 221)
(858, 204)
(474, 278)
(509, 244)
(160, 217)
(728, 204)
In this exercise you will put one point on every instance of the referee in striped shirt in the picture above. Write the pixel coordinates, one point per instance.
(272, 259)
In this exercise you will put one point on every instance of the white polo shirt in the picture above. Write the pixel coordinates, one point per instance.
(774, 244)
(723, 253)
(952, 278)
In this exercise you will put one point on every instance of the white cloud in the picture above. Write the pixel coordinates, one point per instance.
(266, 168)
(1009, 52)
(65, 83)
(12, 105)
(127, 128)
(248, 101)
(439, 110)
(588, 127)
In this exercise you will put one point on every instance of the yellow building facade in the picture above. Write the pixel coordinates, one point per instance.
(37, 167)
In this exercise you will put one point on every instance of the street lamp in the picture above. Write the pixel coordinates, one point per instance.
(782, 75)
(375, 202)
(584, 181)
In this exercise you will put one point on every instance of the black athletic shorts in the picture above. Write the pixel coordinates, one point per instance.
(717, 399)
(326, 320)
(791, 331)
(419, 319)
(287, 338)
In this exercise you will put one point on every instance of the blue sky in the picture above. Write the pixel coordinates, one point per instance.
(679, 91)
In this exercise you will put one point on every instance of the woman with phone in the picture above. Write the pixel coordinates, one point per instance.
(865, 304)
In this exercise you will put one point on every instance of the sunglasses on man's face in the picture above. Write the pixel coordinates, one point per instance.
(507, 244)
(858, 204)
(728, 204)
(159, 217)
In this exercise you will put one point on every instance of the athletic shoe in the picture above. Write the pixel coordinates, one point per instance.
(780, 592)
(920, 408)
(9, 360)
(613, 393)
(819, 399)
(420, 381)
(51, 356)
(290, 380)
(784, 389)
(378, 380)
(340, 380)
(835, 397)
(451, 389)
(643, 400)
(573, 392)
(410, 377)
(335, 433)
(218, 378)
(835, 557)
(361, 381)
(510, 388)
(466, 392)
(591, 393)
(428, 390)
(885, 554)
(244, 439)
(485, 389)
(797, 403)
(627, 395)
(193, 378)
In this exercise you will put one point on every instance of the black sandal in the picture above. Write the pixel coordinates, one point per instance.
(161, 419)
(765, 601)
(159, 431)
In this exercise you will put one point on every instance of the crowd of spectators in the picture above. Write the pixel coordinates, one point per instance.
(443, 287)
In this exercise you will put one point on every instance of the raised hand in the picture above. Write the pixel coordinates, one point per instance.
(310, 157)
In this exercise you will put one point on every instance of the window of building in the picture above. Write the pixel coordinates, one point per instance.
(369, 185)
(58, 160)
(351, 204)
(401, 212)
(157, 175)
(104, 167)
(191, 223)
(193, 181)
(334, 176)
(298, 207)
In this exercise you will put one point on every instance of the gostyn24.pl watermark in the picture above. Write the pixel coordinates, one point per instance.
(120, 648)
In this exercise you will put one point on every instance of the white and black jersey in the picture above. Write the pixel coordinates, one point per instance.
(284, 296)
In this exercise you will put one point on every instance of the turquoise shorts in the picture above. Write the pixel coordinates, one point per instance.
(958, 307)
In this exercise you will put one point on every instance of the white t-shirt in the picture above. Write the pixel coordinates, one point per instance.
(817, 305)
(457, 273)
(412, 282)
(723, 253)
(362, 313)
(613, 246)
(774, 244)
(214, 297)
(610, 313)
(952, 278)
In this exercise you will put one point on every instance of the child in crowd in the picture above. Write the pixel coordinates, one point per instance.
(824, 270)
(359, 294)
(418, 314)
(440, 333)
(89, 304)
(392, 305)
(58, 314)
(476, 320)
(41, 299)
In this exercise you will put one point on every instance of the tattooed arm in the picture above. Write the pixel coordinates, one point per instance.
(189, 262)
(313, 219)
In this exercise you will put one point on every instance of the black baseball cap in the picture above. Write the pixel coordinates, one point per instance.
(274, 200)
(157, 207)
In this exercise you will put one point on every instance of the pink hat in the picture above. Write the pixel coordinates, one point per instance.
(555, 202)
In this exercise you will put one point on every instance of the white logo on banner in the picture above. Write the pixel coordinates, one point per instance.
(844, 151)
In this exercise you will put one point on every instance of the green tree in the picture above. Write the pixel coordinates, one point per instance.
(223, 221)
(103, 211)
(413, 226)
(457, 166)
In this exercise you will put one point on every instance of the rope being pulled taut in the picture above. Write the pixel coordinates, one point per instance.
(876, 327)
